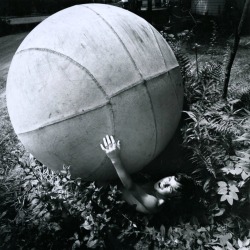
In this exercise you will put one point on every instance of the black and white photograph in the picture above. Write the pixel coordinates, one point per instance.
(125, 124)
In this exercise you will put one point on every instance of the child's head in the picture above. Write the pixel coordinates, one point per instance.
(172, 186)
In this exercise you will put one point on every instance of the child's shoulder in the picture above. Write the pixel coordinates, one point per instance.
(143, 197)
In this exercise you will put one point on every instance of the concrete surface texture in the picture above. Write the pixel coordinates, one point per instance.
(88, 71)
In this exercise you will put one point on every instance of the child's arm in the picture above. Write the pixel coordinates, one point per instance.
(112, 149)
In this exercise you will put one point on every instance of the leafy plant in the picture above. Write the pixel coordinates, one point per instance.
(42, 209)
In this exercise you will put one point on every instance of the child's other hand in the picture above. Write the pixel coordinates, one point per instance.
(111, 148)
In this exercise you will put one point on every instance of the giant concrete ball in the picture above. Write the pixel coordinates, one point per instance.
(88, 71)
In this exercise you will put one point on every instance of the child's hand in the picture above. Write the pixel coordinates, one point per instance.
(111, 148)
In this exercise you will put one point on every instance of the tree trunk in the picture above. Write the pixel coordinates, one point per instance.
(234, 49)
(149, 10)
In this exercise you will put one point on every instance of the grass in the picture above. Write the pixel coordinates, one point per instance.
(10, 146)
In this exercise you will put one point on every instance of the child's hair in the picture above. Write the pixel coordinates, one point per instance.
(187, 187)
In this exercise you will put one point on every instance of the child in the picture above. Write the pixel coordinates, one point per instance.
(148, 199)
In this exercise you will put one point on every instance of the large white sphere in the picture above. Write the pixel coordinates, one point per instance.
(88, 71)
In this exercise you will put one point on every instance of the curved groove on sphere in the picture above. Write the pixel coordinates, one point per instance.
(142, 81)
(72, 61)
(63, 119)
(152, 107)
(81, 113)
(173, 87)
(134, 63)
(122, 43)
(88, 71)
(92, 77)
(113, 133)
(41, 126)
(159, 47)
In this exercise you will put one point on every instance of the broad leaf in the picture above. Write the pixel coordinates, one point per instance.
(222, 184)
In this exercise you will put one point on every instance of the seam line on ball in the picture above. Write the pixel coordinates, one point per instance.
(92, 77)
(81, 112)
(72, 61)
(137, 69)
(174, 88)
(154, 119)
(119, 38)
(64, 118)
(157, 42)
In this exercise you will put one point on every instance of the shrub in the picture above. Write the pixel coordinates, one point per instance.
(41, 209)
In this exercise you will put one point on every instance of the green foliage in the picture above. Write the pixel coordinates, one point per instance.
(51, 205)
(41, 209)
(176, 43)
(216, 135)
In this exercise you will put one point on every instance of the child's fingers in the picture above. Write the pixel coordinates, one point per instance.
(102, 147)
(119, 144)
(105, 143)
(108, 140)
(112, 139)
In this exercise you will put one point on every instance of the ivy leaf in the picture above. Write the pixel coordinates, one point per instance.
(227, 197)
(223, 197)
(238, 170)
(233, 188)
(222, 190)
(222, 184)
(234, 195)
(230, 199)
